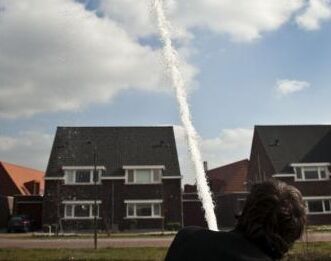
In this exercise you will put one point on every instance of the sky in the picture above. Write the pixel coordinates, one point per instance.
(99, 63)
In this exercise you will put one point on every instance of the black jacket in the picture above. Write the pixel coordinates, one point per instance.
(198, 244)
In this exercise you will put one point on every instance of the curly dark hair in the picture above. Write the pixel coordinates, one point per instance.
(273, 217)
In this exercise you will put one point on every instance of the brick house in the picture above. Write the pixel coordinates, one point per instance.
(137, 183)
(299, 155)
(19, 181)
(228, 186)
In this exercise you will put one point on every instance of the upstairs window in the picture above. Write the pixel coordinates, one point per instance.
(311, 173)
(81, 176)
(143, 176)
(318, 206)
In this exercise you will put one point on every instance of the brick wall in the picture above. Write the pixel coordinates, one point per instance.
(112, 193)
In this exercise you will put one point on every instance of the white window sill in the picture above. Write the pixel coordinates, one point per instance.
(79, 218)
(319, 213)
(82, 184)
(158, 183)
(150, 217)
(310, 180)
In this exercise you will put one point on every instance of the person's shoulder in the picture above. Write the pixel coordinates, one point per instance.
(193, 232)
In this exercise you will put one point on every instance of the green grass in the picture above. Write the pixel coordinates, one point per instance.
(317, 251)
(314, 252)
(110, 254)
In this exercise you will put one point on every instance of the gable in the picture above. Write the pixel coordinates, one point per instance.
(115, 147)
(294, 144)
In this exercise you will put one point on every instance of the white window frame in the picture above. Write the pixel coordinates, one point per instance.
(73, 169)
(323, 199)
(137, 202)
(81, 202)
(135, 169)
(317, 168)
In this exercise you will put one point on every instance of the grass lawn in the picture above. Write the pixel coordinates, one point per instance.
(314, 252)
(110, 254)
(317, 251)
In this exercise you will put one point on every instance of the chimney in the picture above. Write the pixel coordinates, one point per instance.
(205, 166)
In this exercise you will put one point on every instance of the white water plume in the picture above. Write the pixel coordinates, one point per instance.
(172, 62)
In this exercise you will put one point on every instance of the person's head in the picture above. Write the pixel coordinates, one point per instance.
(274, 214)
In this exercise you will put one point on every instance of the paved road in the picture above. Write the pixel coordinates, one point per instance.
(17, 241)
(317, 237)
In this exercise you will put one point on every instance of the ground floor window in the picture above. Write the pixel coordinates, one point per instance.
(143, 209)
(81, 210)
(318, 206)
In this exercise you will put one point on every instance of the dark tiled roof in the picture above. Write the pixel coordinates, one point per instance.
(297, 143)
(115, 146)
(229, 178)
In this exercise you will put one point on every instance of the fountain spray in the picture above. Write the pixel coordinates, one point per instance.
(176, 77)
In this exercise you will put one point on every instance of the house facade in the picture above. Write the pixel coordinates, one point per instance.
(128, 177)
(299, 156)
(228, 184)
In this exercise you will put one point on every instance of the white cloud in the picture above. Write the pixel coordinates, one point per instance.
(230, 146)
(243, 20)
(285, 87)
(30, 149)
(57, 56)
(316, 12)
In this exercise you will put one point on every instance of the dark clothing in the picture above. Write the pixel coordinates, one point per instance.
(198, 244)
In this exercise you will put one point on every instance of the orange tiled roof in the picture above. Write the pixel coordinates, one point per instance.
(21, 176)
(229, 178)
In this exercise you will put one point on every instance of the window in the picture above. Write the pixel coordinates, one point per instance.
(130, 210)
(327, 205)
(130, 176)
(311, 173)
(299, 173)
(157, 209)
(84, 210)
(318, 206)
(70, 176)
(143, 176)
(315, 206)
(143, 210)
(157, 175)
(81, 176)
(69, 210)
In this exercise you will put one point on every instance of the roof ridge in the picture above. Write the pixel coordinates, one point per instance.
(152, 126)
(229, 164)
(294, 125)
